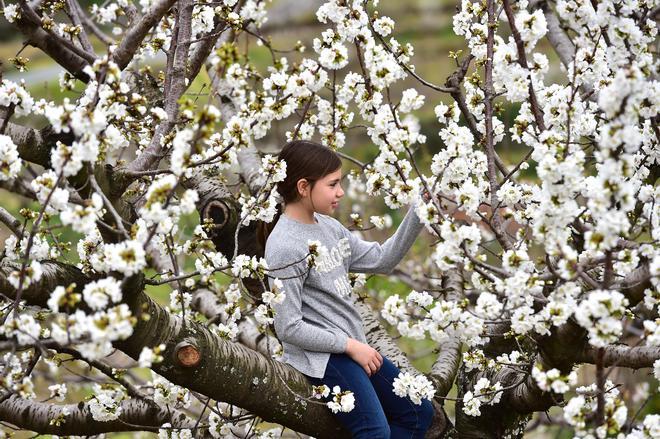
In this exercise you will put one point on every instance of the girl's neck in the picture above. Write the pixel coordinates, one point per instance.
(300, 213)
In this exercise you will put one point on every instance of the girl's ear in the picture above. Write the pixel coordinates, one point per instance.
(303, 187)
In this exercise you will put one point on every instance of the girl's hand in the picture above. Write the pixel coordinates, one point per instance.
(364, 355)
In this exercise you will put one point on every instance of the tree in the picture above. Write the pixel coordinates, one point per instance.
(527, 280)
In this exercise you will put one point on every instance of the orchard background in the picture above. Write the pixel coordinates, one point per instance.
(137, 157)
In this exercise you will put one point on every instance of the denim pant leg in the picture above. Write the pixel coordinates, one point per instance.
(407, 419)
(367, 420)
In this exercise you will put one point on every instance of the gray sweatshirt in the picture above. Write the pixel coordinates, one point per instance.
(318, 315)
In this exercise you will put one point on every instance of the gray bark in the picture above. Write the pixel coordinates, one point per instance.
(33, 415)
(138, 31)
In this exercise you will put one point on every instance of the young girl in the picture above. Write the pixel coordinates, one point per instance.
(320, 329)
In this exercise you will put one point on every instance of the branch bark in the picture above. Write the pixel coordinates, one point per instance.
(634, 357)
(138, 31)
(12, 223)
(34, 145)
(74, 9)
(35, 416)
(446, 366)
(176, 78)
(635, 283)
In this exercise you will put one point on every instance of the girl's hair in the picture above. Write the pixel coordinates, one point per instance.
(304, 159)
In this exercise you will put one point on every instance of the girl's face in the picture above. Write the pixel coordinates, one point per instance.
(326, 193)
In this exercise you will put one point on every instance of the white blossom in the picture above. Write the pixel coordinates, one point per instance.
(101, 293)
(10, 162)
(105, 405)
(342, 401)
(414, 387)
(127, 257)
(12, 13)
(58, 392)
(601, 314)
(149, 356)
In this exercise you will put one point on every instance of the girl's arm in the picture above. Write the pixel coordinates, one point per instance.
(288, 319)
(373, 257)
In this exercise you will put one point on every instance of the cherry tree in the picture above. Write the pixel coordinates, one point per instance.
(527, 283)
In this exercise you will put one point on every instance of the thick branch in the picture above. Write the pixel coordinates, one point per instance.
(176, 78)
(380, 340)
(205, 302)
(136, 33)
(527, 397)
(34, 145)
(250, 162)
(32, 415)
(635, 283)
(54, 274)
(636, 357)
(445, 368)
(227, 372)
(557, 37)
(74, 9)
(12, 223)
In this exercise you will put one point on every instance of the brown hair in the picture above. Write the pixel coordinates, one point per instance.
(304, 159)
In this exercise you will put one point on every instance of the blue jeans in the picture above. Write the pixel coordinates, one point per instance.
(379, 413)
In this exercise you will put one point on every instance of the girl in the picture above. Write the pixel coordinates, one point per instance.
(319, 328)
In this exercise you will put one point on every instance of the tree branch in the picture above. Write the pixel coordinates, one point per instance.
(446, 366)
(227, 372)
(136, 33)
(35, 145)
(454, 83)
(635, 283)
(136, 415)
(75, 19)
(203, 50)
(522, 60)
(634, 357)
(52, 46)
(12, 223)
(177, 85)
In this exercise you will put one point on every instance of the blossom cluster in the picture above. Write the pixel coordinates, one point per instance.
(106, 402)
(342, 400)
(553, 380)
(484, 393)
(15, 379)
(92, 334)
(414, 387)
(167, 394)
(592, 212)
(578, 409)
(442, 320)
